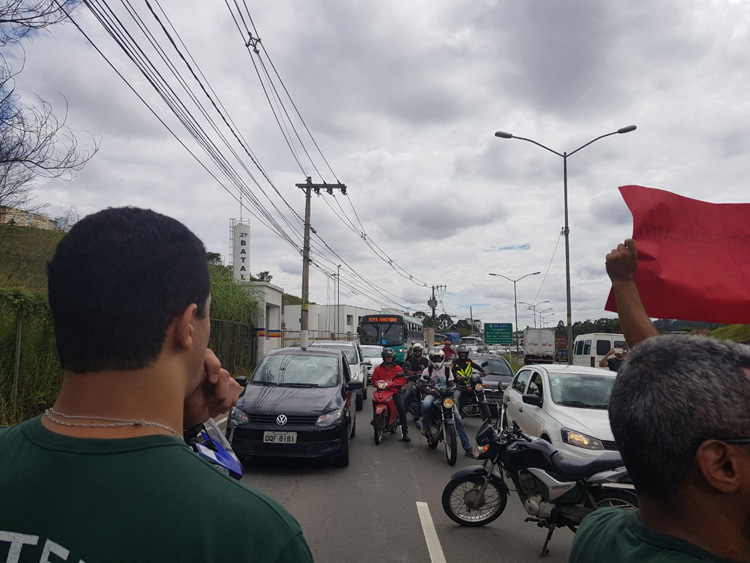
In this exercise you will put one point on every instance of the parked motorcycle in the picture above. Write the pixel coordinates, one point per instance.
(385, 415)
(443, 426)
(210, 444)
(473, 401)
(555, 490)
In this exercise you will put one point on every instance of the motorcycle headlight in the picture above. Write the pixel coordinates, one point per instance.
(448, 403)
(329, 418)
(237, 416)
(478, 387)
(381, 384)
(581, 440)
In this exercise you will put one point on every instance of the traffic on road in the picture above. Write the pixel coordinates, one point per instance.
(363, 489)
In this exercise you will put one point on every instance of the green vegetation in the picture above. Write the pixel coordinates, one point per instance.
(231, 300)
(736, 333)
(24, 252)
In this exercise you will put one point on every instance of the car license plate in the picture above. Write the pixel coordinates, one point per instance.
(280, 437)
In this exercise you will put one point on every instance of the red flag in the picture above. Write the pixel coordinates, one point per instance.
(693, 256)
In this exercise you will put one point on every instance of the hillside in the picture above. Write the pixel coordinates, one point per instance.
(24, 252)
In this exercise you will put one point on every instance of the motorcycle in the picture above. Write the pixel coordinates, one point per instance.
(415, 407)
(473, 401)
(211, 445)
(555, 490)
(385, 417)
(443, 427)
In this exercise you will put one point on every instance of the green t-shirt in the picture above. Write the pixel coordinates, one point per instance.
(616, 535)
(131, 500)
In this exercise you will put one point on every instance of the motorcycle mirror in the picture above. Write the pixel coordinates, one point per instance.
(242, 380)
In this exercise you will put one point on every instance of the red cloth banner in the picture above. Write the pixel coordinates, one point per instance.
(693, 257)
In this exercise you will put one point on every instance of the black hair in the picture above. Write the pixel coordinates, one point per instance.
(116, 282)
(671, 394)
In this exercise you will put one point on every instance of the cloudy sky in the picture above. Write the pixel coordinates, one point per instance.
(403, 99)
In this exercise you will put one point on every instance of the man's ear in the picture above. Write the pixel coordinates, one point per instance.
(720, 465)
(184, 330)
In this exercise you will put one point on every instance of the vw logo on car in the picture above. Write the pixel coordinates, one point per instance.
(281, 420)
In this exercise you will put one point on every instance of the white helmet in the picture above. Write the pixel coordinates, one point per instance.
(417, 346)
(437, 358)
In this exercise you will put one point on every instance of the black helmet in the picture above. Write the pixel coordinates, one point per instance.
(462, 351)
(388, 352)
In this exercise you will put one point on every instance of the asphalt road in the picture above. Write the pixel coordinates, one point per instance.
(369, 512)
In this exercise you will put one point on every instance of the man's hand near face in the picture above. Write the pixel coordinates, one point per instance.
(214, 396)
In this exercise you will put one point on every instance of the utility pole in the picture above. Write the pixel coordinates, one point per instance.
(308, 188)
(432, 304)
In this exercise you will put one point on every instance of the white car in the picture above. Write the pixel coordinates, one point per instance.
(372, 353)
(565, 405)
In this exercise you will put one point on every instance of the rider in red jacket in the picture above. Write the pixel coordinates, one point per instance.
(390, 371)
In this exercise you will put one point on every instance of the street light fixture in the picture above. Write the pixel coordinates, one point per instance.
(545, 317)
(541, 313)
(566, 231)
(515, 302)
(533, 307)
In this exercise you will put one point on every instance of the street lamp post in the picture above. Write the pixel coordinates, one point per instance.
(515, 301)
(533, 307)
(566, 230)
(540, 316)
(544, 318)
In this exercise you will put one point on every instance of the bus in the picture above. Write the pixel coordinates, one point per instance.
(393, 331)
(441, 337)
(472, 340)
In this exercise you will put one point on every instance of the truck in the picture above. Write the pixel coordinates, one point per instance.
(561, 346)
(538, 346)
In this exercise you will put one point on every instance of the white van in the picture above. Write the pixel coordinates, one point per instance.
(589, 349)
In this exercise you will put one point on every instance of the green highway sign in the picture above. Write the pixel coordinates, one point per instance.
(498, 333)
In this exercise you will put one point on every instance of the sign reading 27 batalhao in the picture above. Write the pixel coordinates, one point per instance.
(498, 333)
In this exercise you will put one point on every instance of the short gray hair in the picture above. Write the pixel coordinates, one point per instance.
(671, 394)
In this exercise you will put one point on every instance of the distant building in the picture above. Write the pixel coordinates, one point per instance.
(21, 218)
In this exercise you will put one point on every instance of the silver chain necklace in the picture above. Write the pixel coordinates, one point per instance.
(51, 414)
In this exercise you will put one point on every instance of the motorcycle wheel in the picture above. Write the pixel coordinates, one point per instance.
(618, 498)
(433, 438)
(450, 444)
(462, 504)
(378, 427)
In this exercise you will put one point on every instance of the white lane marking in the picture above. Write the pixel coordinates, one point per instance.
(430, 535)
(221, 421)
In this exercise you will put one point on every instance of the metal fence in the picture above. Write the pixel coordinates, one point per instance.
(234, 344)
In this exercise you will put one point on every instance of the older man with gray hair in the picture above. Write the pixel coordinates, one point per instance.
(680, 413)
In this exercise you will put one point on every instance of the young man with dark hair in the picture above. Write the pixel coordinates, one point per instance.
(679, 414)
(104, 474)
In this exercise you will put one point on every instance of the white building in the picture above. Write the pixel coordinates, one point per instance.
(338, 322)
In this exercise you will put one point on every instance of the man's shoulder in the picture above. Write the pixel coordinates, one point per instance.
(616, 534)
(223, 491)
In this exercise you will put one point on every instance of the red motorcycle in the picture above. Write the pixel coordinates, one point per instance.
(385, 416)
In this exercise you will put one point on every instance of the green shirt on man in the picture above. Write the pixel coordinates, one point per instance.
(148, 499)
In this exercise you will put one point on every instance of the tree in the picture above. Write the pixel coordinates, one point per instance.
(33, 141)
(214, 258)
(444, 322)
(262, 276)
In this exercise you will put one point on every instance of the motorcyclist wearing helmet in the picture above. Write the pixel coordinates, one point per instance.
(463, 367)
(435, 377)
(414, 365)
(390, 371)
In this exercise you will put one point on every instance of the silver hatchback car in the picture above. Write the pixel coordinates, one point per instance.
(358, 364)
